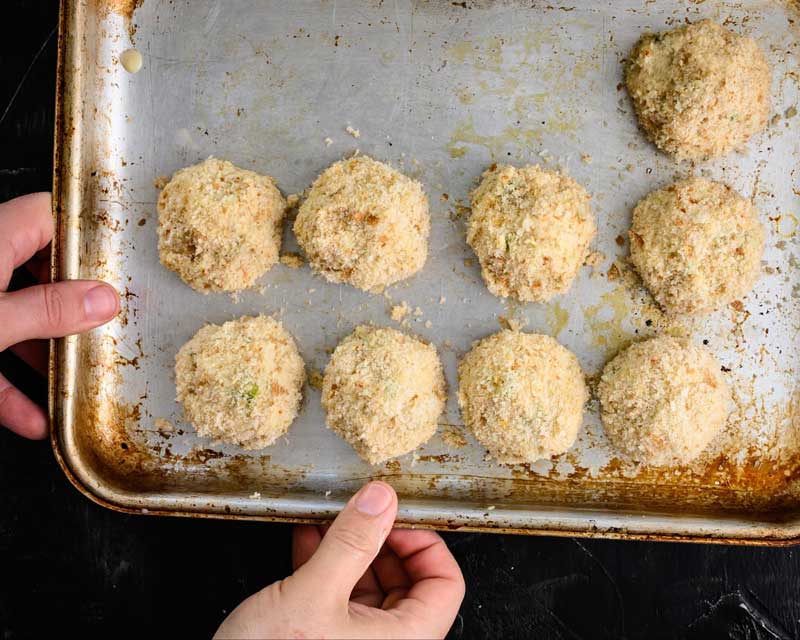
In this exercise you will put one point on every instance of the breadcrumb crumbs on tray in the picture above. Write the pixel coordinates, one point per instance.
(159, 182)
(328, 142)
(400, 311)
(418, 312)
(586, 158)
(594, 259)
(454, 438)
(292, 260)
(353, 132)
(292, 200)
(255, 495)
(315, 380)
(163, 425)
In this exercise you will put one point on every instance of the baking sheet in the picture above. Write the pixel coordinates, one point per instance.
(440, 90)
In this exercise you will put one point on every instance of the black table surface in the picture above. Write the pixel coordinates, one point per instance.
(70, 567)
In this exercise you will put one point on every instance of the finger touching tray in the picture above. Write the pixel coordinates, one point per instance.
(440, 90)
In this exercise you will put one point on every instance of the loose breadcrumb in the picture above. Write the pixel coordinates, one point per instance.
(292, 260)
(454, 438)
(594, 259)
(292, 200)
(328, 142)
(163, 425)
(400, 311)
(353, 132)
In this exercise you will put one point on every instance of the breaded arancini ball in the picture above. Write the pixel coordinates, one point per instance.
(663, 400)
(522, 395)
(697, 245)
(241, 382)
(530, 229)
(365, 224)
(383, 392)
(219, 227)
(700, 90)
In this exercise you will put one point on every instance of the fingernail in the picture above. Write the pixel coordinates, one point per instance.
(100, 303)
(373, 499)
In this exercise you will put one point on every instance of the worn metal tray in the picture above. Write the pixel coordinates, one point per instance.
(441, 90)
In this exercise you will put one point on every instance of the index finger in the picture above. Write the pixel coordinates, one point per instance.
(437, 583)
(26, 227)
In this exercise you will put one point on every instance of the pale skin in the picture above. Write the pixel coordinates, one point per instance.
(358, 578)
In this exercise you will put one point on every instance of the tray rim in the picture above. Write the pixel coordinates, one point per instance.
(65, 138)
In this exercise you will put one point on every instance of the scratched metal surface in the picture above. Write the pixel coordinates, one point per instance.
(441, 91)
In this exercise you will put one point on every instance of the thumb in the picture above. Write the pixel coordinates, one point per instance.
(55, 310)
(352, 542)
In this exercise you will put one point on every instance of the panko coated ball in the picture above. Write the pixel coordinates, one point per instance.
(383, 392)
(699, 91)
(531, 231)
(241, 382)
(663, 400)
(697, 245)
(219, 227)
(365, 224)
(522, 395)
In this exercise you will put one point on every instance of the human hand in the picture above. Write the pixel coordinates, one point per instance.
(359, 579)
(30, 316)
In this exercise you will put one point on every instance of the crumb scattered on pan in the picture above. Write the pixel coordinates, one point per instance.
(160, 182)
(428, 324)
(594, 259)
(442, 300)
(163, 425)
(510, 323)
(417, 312)
(327, 493)
(328, 142)
(255, 495)
(791, 112)
(315, 379)
(292, 200)
(454, 438)
(491, 507)
(586, 158)
(400, 311)
(292, 260)
(235, 298)
(353, 132)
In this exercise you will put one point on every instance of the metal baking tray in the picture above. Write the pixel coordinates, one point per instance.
(440, 90)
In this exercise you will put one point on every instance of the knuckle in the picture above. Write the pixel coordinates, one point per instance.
(54, 306)
(6, 390)
(355, 541)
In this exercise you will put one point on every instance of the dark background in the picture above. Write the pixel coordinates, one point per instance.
(71, 568)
